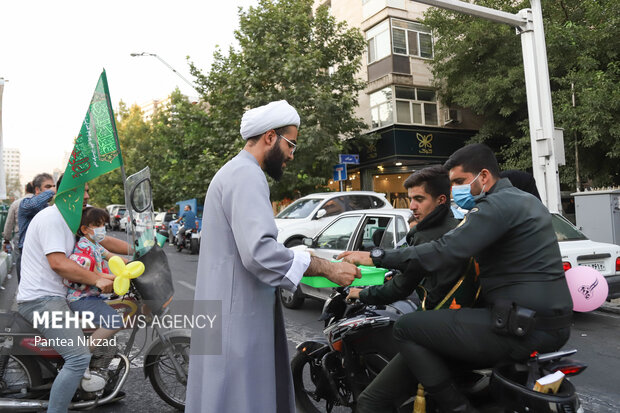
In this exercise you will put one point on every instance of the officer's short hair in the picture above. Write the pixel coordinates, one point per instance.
(433, 179)
(473, 159)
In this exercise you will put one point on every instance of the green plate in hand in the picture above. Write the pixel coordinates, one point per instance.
(370, 276)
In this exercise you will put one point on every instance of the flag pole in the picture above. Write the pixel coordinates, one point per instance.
(118, 145)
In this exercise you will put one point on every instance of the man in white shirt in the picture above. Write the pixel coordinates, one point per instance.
(45, 263)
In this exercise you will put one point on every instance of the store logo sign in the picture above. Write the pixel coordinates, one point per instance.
(425, 143)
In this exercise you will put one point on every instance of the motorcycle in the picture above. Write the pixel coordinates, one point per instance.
(28, 367)
(190, 240)
(358, 344)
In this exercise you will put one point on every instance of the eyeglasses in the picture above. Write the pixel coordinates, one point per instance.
(292, 145)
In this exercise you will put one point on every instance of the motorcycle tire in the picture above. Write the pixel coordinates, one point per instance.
(30, 369)
(158, 364)
(304, 402)
(291, 300)
(194, 246)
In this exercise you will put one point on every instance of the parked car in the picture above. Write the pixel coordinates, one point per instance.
(162, 220)
(361, 230)
(110, 208)
(577, 249)
(115, 217)
(351, 231)
(305, 217)
(122, 224)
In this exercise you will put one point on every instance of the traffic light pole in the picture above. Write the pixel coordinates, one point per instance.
(547, 142)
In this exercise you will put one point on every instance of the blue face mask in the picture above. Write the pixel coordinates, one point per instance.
(462, 195)
(99, 234)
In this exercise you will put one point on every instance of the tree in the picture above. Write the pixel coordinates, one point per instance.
(286, 52)
(478, 64)
(134, 137)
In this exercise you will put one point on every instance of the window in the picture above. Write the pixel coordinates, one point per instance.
(378, 42)
(381, 108)
(358, 202)
(416, 105)
(334, 206)
(337, 235)
(410, 38)
(372, 233)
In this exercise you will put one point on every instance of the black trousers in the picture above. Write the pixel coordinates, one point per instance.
(433, 343)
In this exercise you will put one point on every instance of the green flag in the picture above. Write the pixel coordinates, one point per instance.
(95, 153)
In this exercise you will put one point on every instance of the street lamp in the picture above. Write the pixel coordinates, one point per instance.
(167, 65)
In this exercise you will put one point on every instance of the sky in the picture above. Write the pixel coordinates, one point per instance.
(52, 53)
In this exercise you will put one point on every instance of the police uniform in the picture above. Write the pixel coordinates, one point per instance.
(510, 234)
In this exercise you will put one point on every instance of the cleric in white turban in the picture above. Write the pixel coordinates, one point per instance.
(243, 366)
(274, 115)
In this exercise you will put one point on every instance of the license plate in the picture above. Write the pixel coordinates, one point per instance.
(598, 266)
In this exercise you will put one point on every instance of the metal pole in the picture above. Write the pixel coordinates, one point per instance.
(167, 65)
(123, 175)
(577, 177)
(546, 141)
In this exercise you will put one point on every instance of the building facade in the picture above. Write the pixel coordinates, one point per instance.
(399, 104)
(11, 158)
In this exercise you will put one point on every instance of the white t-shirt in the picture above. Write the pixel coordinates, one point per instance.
(48, 232)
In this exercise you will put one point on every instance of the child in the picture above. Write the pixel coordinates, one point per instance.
(87, 298)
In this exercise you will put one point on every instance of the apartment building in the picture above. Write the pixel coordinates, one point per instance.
(399, 103)
(11, 158)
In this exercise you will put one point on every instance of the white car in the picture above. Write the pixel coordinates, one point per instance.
(305, 217)
(577, 249)
(351, 231)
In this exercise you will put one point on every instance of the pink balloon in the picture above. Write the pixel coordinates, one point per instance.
(588, 288)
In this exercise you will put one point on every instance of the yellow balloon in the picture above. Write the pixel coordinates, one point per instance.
(124, 273)
(121, 285)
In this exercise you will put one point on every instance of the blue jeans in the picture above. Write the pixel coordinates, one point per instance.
(76, 355)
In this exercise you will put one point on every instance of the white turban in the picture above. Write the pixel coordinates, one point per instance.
(271, 116)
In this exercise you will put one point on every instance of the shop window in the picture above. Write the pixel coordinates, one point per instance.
(412, 39)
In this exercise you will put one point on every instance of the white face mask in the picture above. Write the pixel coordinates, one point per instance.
(99, 234)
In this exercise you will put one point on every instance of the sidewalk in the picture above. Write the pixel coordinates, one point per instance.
(611, 307)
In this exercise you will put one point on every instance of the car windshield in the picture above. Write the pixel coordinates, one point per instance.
(299, 209)
(564, 230)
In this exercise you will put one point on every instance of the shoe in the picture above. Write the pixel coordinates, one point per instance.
(87, 373)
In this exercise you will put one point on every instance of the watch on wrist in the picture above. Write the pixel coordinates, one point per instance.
(377, 253)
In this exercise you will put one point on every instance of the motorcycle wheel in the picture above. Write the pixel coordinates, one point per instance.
(193, 246)
(162, 374)
(304, 385)
(21, 373)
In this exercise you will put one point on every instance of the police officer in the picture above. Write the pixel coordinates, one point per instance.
(429, 193)
(527, 305)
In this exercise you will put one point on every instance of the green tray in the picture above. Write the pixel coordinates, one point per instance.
(370, 276)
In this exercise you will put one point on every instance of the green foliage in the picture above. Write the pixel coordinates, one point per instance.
(286, 52)
(478, 65)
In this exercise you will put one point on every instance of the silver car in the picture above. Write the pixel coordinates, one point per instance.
(351, 231)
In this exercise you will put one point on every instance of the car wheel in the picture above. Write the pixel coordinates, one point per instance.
(293, 242)
(291, 300)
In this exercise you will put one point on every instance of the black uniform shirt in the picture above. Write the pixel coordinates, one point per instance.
(510, 234)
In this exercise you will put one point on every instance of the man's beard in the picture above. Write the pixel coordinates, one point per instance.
(273, 162)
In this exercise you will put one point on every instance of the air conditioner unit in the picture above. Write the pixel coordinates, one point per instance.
(451, 116)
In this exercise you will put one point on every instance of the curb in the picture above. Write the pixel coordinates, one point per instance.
(609, 308)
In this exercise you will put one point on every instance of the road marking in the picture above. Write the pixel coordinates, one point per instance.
(187, 285)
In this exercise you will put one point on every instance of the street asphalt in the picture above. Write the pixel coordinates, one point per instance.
(595, 335)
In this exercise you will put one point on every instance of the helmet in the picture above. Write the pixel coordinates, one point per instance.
(508, 385)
